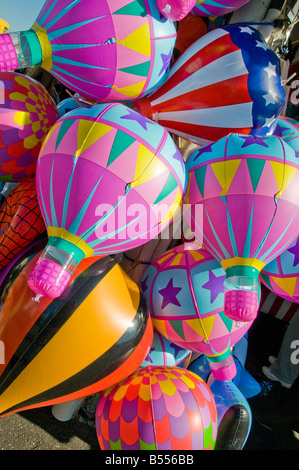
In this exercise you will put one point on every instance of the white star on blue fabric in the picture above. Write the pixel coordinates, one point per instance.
(270, 70)
(262, 45)
(246, 30)
(270, 98)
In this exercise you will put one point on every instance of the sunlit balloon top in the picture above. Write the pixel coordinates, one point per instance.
(105, 50)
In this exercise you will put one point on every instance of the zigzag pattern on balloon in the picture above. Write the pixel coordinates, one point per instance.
(27, 113)
(212, 8)
(157, 408)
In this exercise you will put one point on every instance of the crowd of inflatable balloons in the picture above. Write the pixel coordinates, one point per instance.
(100, 175)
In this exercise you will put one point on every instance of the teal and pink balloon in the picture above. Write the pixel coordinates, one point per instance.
(105, 50)
(108, 180)
(175, 10)
(219, 8)
(165, 353)
(288, 130)
(184, 291)
(157, 408)
(281, 276)
(227, 81)
(247, 188)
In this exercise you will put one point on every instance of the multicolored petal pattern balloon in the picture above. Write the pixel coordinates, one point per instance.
(105, 50)
(157, 408)
(227, 81)
(247, 188)
(27, 113)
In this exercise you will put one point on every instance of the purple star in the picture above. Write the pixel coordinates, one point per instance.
(295, 251)
(215, 285)
(253, 139)
(207, 148)
(176, 348)
(279, 130)
(166, 60)
(169, 294)
(143, 284)
(135, 116)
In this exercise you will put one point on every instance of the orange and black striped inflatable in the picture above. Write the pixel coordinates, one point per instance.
(93, 336)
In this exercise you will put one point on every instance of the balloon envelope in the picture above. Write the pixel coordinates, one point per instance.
(68, 348)
(175, 10)
(246, 187)
(227, 81)
(27, 112)
(157, 408)
(108, 180)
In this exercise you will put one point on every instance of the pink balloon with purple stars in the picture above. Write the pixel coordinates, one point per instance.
(184, 290)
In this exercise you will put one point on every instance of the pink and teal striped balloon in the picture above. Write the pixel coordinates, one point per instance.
(108, 180)
(247, 187)
(106, 50)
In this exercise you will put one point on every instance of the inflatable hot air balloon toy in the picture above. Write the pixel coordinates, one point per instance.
(219, 8)
(247, 187)
(184, 290)
(105, 50)
(108, 180)
(69, 348)
(227, 81)
(157, 408)
(27, 113)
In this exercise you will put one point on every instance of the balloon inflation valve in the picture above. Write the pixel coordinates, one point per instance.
(36, 298)
(167, 8)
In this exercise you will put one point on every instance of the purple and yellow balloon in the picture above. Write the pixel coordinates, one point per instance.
(184, 290)
(108, 180)
(219, 8)
(247, 188)
(105, 50)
